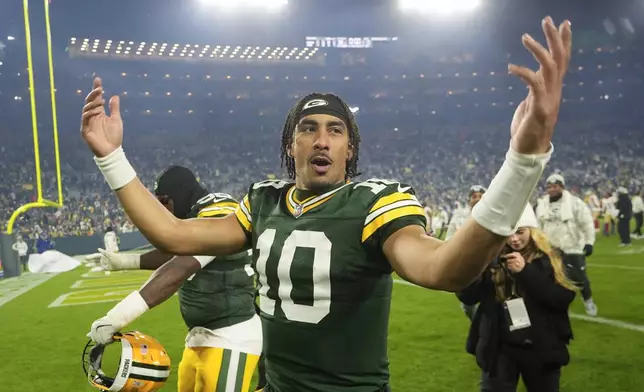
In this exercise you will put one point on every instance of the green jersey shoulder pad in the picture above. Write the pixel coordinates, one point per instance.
(387, 202)
(259, 192)
(213, 205)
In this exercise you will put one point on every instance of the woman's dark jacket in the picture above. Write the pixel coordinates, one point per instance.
(547, 305)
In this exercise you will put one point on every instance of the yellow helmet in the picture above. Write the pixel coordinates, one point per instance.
(144, 365)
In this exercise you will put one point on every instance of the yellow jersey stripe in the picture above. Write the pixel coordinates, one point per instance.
(387, 217)
(389, 207)
(243, 220)
(243, 214)
(306, 209)
(215, 211)
(249, 369)
(394, 197)
(290, 208)
(231, 204)
(309, 203)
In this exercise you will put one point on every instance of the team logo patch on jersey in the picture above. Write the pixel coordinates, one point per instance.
(315, 103)
(298, 210)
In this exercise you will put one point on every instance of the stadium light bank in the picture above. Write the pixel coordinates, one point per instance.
(234, 5)
(442, 7)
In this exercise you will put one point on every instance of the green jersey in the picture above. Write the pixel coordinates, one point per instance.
(221, 293)
(324, 283)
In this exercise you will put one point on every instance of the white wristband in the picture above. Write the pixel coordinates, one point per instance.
(130, 261)
(505, 199)
(116, 169)
(128, 310)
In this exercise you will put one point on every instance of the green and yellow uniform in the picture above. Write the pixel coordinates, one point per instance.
(217, 305)
(324, 283)
(220, 294)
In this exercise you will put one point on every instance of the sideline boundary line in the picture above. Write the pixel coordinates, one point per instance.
(30, 281)
(598, 320)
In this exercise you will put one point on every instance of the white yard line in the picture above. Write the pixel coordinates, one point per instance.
(11, 288)
(617, 266)
(606, 321)
(598, 320)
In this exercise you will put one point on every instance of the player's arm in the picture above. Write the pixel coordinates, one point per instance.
(104, 135)
(453, 265)
(170, 235)
(154, 259)
(169, 277)
(112, 261)
(163, 283)
(477, 291)
(449, 266)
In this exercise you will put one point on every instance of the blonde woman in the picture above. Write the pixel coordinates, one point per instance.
(521, 327)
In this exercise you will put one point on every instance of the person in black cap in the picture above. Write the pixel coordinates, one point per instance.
(216, 298)
(324, 247)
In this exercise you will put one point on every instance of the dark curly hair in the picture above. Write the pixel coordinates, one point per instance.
(291, 123)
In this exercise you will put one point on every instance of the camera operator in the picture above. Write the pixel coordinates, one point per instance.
(521, 328)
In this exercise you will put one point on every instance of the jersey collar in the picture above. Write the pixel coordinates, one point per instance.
(297, 207)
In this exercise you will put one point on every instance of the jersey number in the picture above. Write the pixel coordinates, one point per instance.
(213, 198)
(321, 298)
(377, 185)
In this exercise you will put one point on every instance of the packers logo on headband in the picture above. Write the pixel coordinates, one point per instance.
(156, 186)
(315, 103)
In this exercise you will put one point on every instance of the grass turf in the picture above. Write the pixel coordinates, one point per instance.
(40, 346)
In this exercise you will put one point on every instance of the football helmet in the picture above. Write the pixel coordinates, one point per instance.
(144, 365)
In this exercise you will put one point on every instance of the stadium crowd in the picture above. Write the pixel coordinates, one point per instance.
(440, 168)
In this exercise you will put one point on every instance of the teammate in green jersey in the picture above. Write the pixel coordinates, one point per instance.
(216, 299)
(324, 247)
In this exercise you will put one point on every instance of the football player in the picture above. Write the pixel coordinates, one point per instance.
(324, 247)
(216, 298)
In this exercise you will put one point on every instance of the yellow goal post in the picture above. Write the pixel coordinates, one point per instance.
(40, 202)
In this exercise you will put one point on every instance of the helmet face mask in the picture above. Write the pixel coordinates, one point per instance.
(144, 365)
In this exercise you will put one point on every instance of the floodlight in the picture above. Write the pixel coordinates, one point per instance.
(439, 6)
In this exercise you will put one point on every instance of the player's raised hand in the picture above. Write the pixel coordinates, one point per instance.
(102, 133)
(534, 120)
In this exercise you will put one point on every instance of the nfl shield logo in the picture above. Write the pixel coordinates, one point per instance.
(298, 210)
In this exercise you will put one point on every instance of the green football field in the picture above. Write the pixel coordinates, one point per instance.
(43, 330)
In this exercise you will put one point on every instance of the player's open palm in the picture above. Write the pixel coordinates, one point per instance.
(102, 133)
(534, 120)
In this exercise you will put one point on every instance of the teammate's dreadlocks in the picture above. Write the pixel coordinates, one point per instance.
(294, 117)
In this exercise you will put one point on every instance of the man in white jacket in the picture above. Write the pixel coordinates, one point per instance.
(21, 247)
(459, 217)
(568, 223)
(111, 240)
